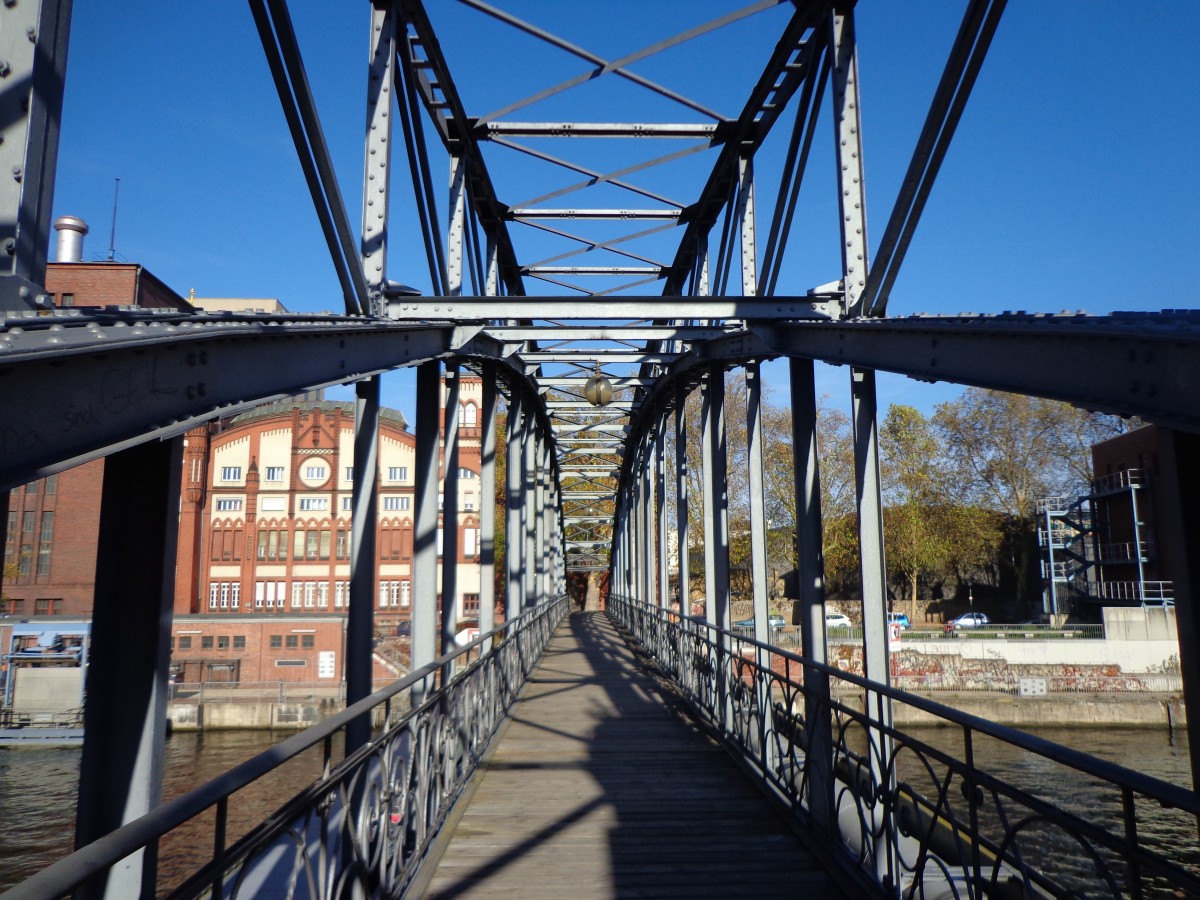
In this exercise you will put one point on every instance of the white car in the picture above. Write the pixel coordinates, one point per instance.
(836, 620)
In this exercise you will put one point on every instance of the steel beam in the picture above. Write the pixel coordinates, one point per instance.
(94, 392)
(513, 541)
(450, 514)
(33, 54)
(563, 308)
(377, 167)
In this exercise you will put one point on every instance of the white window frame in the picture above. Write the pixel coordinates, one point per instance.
(231, 473)
(297, 594)
(276, 471)
(314, 504)
(316, 472)
(392, 502)
(214, 593)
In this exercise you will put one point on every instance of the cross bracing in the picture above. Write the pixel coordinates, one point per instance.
(654, 250)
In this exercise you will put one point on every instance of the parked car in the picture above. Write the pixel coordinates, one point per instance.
(836, 620)
(900, 619)
(967, 620)
(773, 621)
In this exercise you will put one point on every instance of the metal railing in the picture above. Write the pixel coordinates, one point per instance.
(1010, 683)
(364, 825)
(912, 815)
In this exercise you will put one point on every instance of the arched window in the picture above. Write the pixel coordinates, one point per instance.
(468, 415)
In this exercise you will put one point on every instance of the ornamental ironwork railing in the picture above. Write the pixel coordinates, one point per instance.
(970, 809)
(363, 826)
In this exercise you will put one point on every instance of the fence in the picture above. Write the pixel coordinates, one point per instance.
(915, 815)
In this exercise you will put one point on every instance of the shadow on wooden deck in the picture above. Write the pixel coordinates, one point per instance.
(601, 785)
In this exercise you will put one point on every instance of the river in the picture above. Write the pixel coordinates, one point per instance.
(37, 787)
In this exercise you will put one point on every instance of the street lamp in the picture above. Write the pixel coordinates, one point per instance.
(598, 390)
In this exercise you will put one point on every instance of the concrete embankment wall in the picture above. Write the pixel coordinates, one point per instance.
(263, 715)
(1143, 710)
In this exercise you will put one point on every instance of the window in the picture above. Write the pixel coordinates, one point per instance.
(470, 542)
(397, 473)
(347, 503)
(468, 415)
(310, 593)
(272, 503)
(41, 607)
(206, 642)
(231, 473)
(322, 594)
(307, 640)
(466, 473)
(239, 642)
(349, 473)
(274, 473)
(315, 473)
(405, 593)
(276, 641)
(291, 662)
(272, 544)
(343, 544)
(229, 505)
(31, 489)
(297, 594)
(45, 543)
(405, 503)
(18, 607)
(235, 593)
(339, 595)
(67, 299)
(392, 502)
(56, 607)
(51, 485)
(470, 604)
(185, 642)
(224, 595)
(311, 504)
(293, 641)
(223, 642)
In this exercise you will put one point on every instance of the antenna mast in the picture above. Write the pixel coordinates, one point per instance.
(112, 234)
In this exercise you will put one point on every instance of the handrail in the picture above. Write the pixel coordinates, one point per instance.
(63, 876)
(900, 812)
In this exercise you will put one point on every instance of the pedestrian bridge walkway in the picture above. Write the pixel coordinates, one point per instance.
(602, 785)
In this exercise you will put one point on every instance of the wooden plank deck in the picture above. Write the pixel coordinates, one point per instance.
(601, 786)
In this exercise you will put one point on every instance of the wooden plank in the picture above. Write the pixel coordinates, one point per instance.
(602, 787)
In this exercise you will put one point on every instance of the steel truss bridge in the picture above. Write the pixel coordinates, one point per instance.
(643, 264)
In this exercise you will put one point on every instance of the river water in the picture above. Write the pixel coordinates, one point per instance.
(37, 788)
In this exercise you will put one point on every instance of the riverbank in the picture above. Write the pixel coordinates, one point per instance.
(1074, 710)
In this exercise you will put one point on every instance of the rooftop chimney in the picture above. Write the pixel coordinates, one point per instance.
(70, 239)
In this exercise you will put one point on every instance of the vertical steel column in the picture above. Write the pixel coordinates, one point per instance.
(376, 168)
(660, 511)
(487, 504)
(513, 540)
(360, 624)
(682, 524)
(1179, 533)
(457, 225)
(759, 537)
(646, 521)
(811, 576)
(758, 519)
(33, 47)
(546, 582)
(125, 713)
(716, 500)
(870, 525)
(425, 523)
(529, 510)
(746, 219)
(848, 146)
(450, 515)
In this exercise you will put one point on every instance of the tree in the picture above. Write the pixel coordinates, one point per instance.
(1009, 450)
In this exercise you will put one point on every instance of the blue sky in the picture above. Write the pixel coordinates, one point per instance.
(1071, 183)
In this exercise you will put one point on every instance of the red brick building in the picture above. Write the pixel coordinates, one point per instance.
(50, 539)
